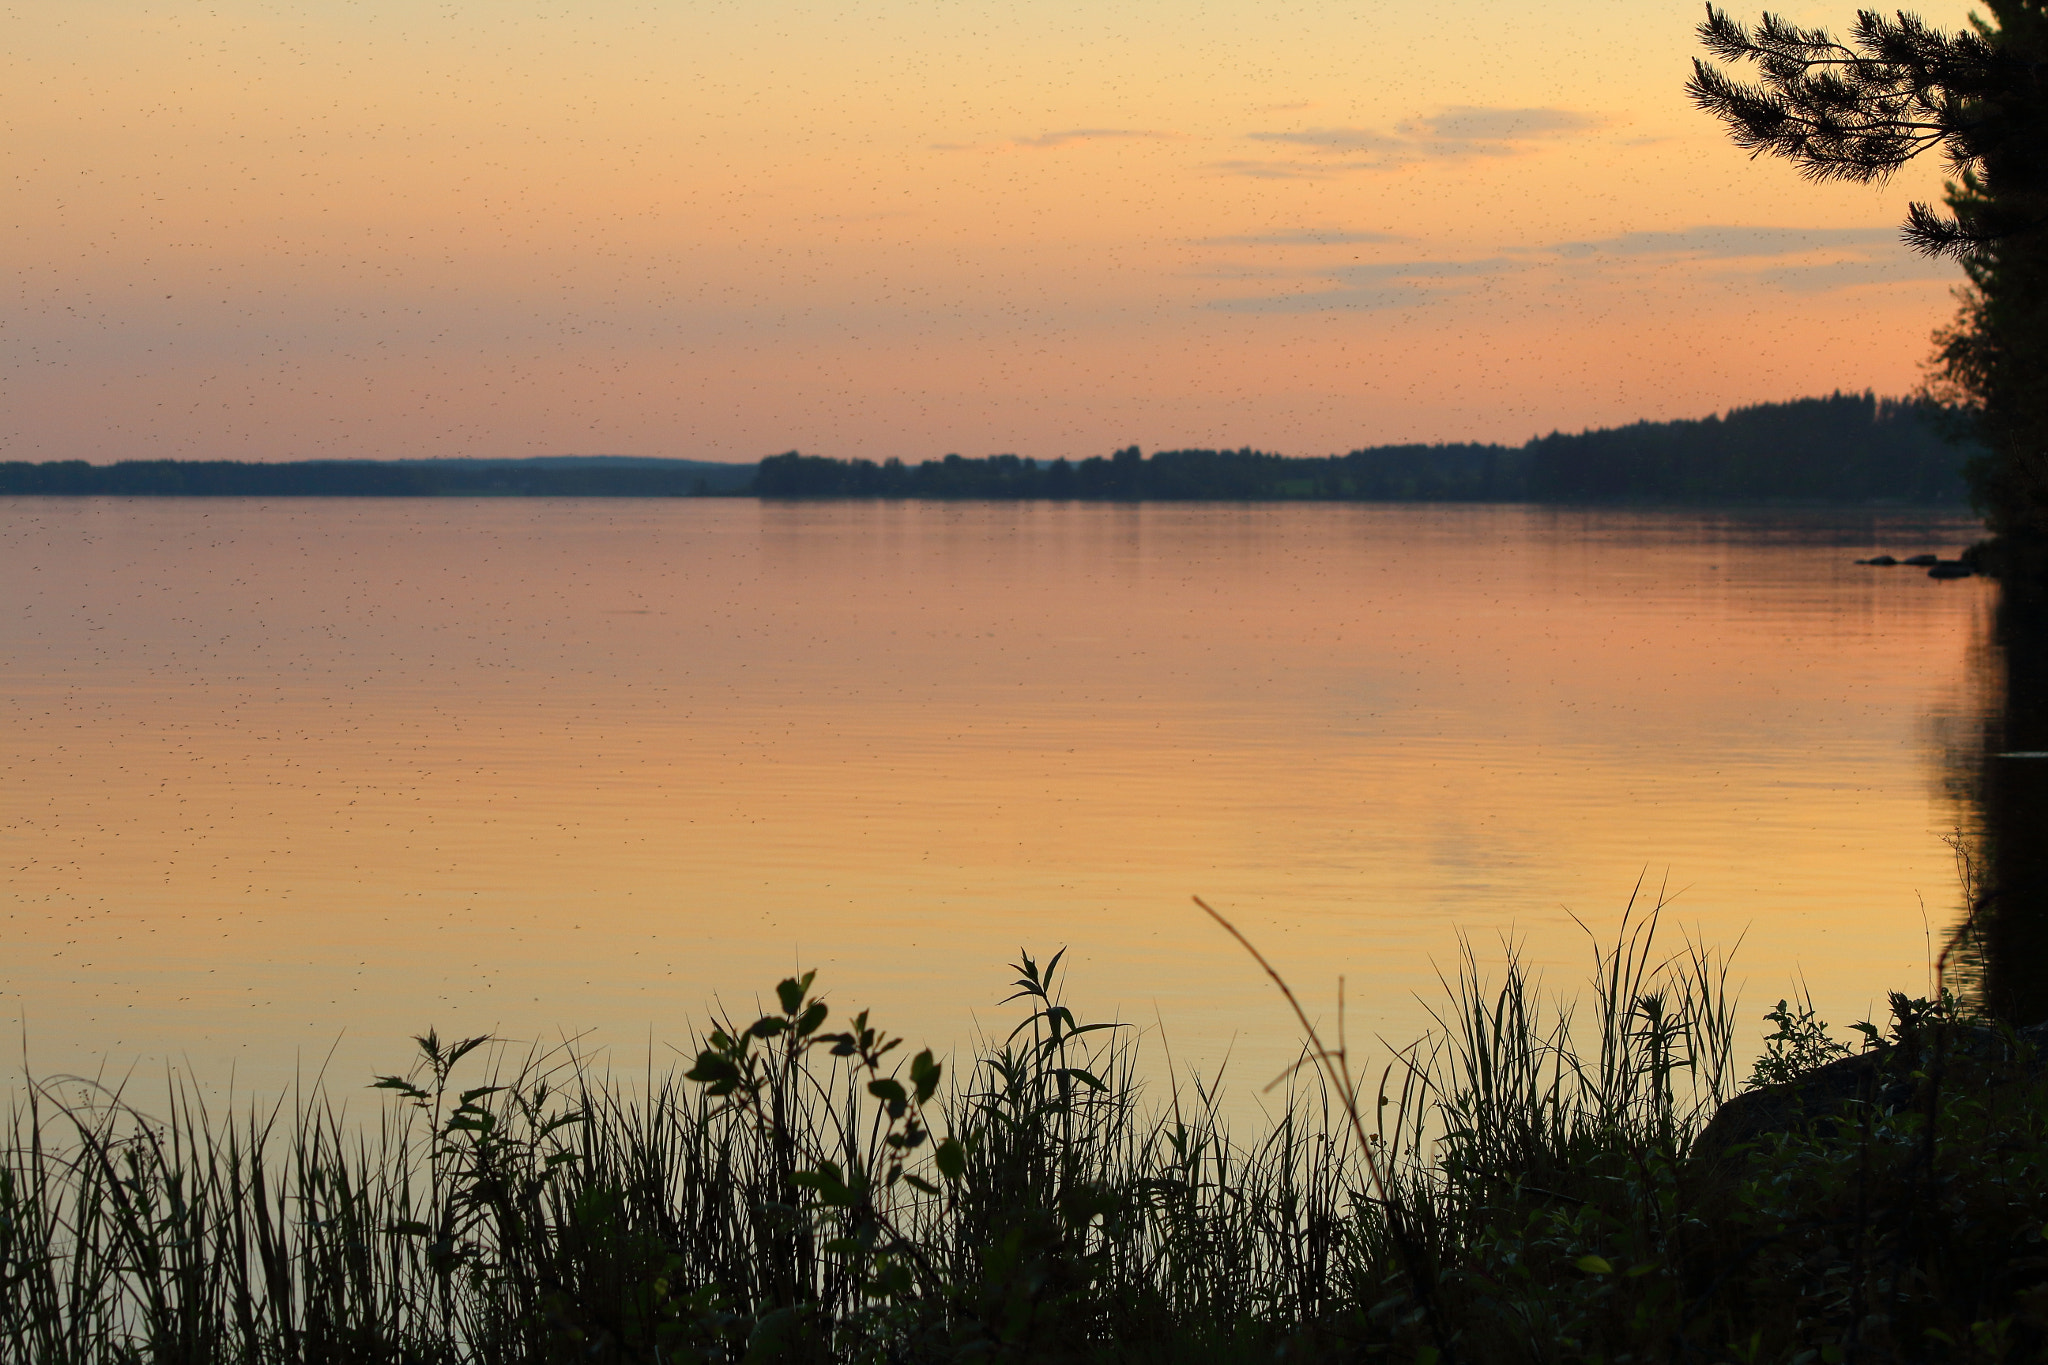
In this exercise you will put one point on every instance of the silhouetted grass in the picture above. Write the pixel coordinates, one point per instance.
(1518, 1186)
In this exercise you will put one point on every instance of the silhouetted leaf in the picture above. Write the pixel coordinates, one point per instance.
(924, 1075)
(713, 1069)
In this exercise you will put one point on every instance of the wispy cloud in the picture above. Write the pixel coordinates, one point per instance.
(1336, 139)
(1798, 260)
(1302, 237)
(1256, 169)
(1372, 272)
(1067, 135)
(1730, 243)
(1324, 301)
(1375, 285)
(1801, 260)
(1459, 132)
(1828, 276)
(1061, 137)
(1475, 125)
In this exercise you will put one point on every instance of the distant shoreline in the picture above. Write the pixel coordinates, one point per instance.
(1842, 450)
(1958, 507)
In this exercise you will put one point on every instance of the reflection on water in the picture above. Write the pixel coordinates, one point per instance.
(2006, 773)
(276, 774)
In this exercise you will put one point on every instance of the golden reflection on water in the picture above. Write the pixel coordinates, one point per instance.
(280, 773)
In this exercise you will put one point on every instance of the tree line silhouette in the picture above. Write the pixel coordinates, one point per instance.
(1842, 448)
(546, 477)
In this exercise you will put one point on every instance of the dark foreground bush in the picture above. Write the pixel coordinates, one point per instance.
(1518, 1187)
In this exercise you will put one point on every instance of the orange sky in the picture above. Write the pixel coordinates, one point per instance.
(281, 229)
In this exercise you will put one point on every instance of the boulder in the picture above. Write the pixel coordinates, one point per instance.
(1978, 1056)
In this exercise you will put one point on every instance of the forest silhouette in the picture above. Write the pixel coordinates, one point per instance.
(1844, 448)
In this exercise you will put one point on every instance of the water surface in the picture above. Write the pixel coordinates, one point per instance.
(274, 774)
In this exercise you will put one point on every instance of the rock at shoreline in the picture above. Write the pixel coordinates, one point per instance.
(1936, 566)
(1978, 1058)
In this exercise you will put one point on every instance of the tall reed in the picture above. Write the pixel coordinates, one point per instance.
(1515, 1186)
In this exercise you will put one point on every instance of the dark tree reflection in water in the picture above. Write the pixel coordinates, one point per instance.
(2004, 954)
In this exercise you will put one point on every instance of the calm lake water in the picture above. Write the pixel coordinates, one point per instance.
(277, 775)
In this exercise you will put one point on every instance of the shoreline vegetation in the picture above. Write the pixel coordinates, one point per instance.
(1841, 449)
(1538, 1180)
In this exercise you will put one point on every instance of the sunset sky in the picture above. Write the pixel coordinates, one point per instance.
(718, 229)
